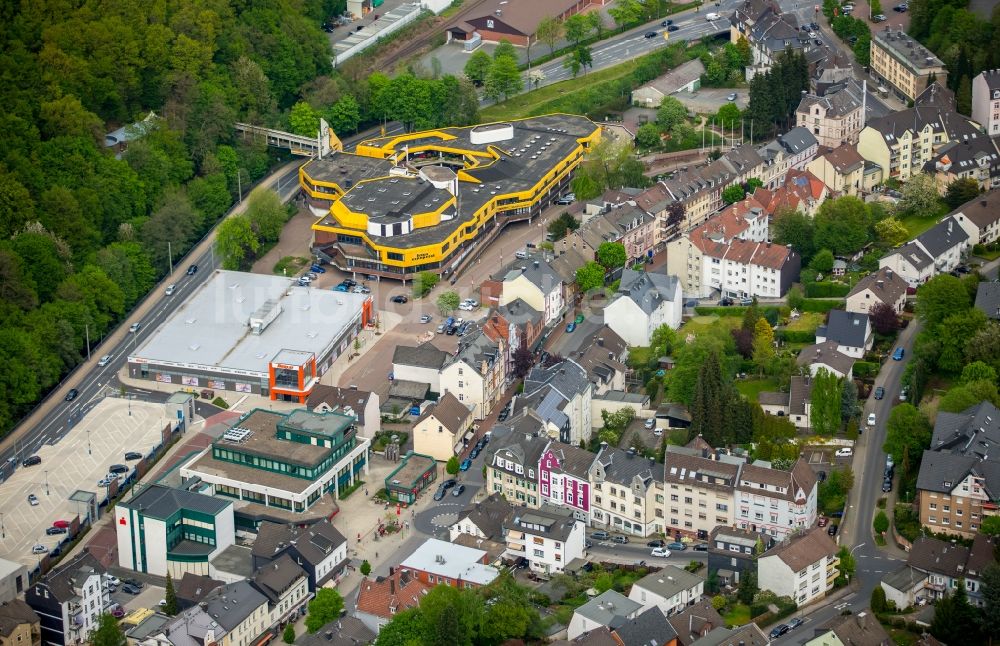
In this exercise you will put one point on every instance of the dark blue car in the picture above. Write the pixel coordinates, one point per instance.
(466, 464)
(898, 354)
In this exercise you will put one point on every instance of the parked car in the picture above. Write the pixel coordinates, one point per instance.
(731, 96)
(451, 330)
(871, 419)
(898, 354)
(600, 536)
(61, 523)
(439, 494)
(39, 549)
(71, 395)
(571, 327)
(649, 423)
(54, 531)
(112, 579)
(342, 288)
(903, 393)
(474, 453)
(459, 490)
(32, 500)
(823, 521)
(657, 542)
(725, 301)
(889, 461)
(701, 547)
(399, 298)
(426, 318)
(105, 360)
(133, 455)
(879, 18)
(579, 319)
(844, 452)
(887, 484)
(466, 465)
(832, 531)
(449, 483)
(361, 289)
(31, 461)
(305, 281)
(621, 540)
(118, 612)
(779, 630)
(677, 546)
(131, 589)
(317, 268)
(879, 392)
(440, 329)
(660, 551)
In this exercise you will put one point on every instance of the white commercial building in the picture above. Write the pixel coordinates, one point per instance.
(803, 568)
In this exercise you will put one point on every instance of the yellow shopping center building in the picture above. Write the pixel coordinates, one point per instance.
(402, 204)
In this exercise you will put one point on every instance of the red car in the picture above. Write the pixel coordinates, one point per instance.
(823, 520)
(61, 524)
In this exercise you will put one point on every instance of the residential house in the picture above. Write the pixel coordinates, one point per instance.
(19, 624)
(532, 280)
(792, 150)
(835, 118)
(627, 492)
(644, 302)
(233, 615)
(69, 601)
(604, 356)
(421, 364)
(851, 331)
(943, 565)
(560, 394)
(980, 218)
(318, 548)
(648, 628)
(862, 628)
(565, 261)
(512, 467)
(903, 65)
(477, 373)
(883, 286)
(191, 589)
(827, 356)
(698, 494)
(286, 586)
(959, 479)
(974, 156)
(732, 552)
(549, 537)
(436, 562)
(685, 78)
(904, 586)
(564, 478)
(796, 404)
(484, 519)
(380, 599)
(626, 223)
(441, 431)
(800, 191)
(776, 502)
(911, 263)
(842, 169)
(986, 101)
(344, 631)
(803, 567)
(516, 324)
(988, 300)
(769, 32)
(901, 143)
(671, 590)
(748, 635)
(363, 405)
(696, 621)
(609, 610)
(13, 579)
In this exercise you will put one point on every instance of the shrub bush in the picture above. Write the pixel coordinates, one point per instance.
(796, 336)
(826, 290)
(720, 311)
(865, 369)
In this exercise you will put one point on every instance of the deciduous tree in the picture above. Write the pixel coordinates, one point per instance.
(611, 255)
(906, 429)
(549, 31)
(842, 225)
(107, 633)
(235, 242)
(304, 119)
(920, 196)
(891, 232)
(504, 79)
(448, 302)
(822, 262)
(884, 318)
(590, 276)
(670, 113)
(825, 399)
(576, 28)
(733, 193)
(452, 466)
(940, 297)
(796, 229)
(323, 608)
(960, 191)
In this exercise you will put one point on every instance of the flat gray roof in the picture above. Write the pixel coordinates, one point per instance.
(210, 331)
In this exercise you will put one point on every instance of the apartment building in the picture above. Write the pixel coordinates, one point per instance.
(561, 395)
(564, 477)
(512, 469)
(626, 223)
(938, 250)
(627, 492)
(986, 101)
(775, 502)
(516, 324)
(69, 601)
(834, 118)
(644, 302)
(698, 494)
(902, 64)
(980, 218)
(959, 479)
(842, 169)
(548, 538)
(804, 567)
(477, 373)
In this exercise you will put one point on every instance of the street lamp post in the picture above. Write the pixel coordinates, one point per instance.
(46, 483)
(239, 183)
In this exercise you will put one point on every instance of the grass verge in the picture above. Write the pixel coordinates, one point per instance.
(289, 265)
(751, 388)
(737, 615)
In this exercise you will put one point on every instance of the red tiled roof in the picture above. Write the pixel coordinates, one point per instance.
(729, 223)
(799, 187)
(399, 591)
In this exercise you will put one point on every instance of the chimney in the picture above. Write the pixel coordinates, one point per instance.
(392, 586)
(536, 264)
(600, 341)
(949, 226)
(879, 284)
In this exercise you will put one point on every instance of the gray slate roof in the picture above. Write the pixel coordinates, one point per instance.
(797, 140)
(677, 77)
(943, 236)
(648, 290)
(748, 635)
(963, 443)
(449, 412)
(160, 502)
(315, 543)
(610, 608)
(276, 577)
(988, 299)
(649, 627)
(518, 312)
(846, 328)
(550, 521)
(14, 613)
(231, 604)
(914, 255)
(425, 355)
(622, 467)
(567, 377)
(489, 515)
(937, 556)
(886, 284)
(669, 581)
(837, 102)
(826, 353)
(537, 270)
(696, 620)
(346, 631)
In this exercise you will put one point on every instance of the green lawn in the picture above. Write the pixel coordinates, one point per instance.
(751, 388)
(522, 104)
(289, 265)
(807, 322)
(737, 615)
(915, 225)
(988, 255)
(700, 324)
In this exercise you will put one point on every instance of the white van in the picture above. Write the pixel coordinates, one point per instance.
(712, 16)
(520, 253)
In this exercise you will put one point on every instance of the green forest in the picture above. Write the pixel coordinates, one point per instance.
(967, 43)
(86, 230)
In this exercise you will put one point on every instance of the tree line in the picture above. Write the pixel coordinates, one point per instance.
(85, 233)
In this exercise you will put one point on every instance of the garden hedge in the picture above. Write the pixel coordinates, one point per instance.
(827, 290)
(822, 306)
